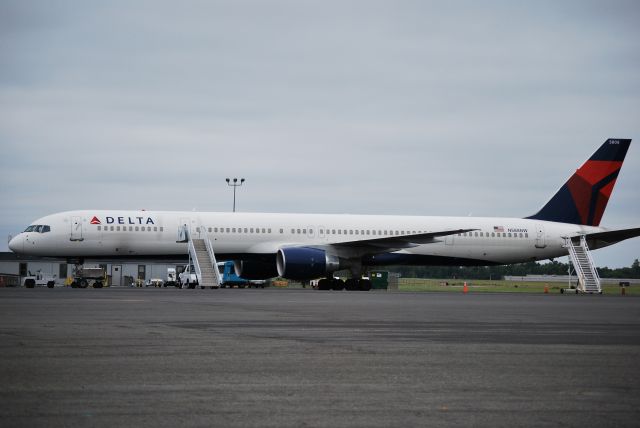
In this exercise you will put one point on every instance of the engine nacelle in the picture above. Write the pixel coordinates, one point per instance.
(251, 269)
(305, 263)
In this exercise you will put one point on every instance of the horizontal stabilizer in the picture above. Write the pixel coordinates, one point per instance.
(604, 239)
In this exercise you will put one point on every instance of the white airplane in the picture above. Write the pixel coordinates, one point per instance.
(308, 246)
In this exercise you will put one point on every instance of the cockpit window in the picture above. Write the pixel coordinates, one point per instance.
(40, 228)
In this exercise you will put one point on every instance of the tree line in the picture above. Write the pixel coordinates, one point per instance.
(498, 272)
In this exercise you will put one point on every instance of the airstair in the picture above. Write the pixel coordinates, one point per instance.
(588, 278)
(202, 258)
(204, 262)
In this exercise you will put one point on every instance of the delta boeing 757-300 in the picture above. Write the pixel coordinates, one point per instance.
(308, 246)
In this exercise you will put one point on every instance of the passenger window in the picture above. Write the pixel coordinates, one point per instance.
(161, 228)
(509, 235)
(298, 231)
(357, 232)
(228, 230)
(246, 230)
(526, 235)
(281, 230)
(136, 228)
(99, 227)
(117, 228)
(269, 230)
(233, 230)
(304, 231)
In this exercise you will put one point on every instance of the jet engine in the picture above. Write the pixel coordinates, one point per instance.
(254, 269)
(301, 263)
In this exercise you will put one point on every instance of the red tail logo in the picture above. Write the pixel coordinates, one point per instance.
(95, 220)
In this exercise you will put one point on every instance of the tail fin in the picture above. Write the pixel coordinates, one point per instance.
(584, 197)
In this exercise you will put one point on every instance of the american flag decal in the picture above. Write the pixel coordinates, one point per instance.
(498, 229)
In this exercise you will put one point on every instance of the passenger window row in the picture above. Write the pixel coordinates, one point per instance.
(131, 228)
(493, 235)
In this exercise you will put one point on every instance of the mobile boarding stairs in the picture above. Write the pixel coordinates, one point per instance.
(201, 257)
(580, 256)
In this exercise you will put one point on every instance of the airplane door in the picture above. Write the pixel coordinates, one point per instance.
(76, 229)
(184, 229)
(116, 275)
(540, 238)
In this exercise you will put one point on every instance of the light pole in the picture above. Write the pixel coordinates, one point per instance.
(234, 185)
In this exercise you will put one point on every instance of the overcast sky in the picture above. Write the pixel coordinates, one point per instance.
(372, 107)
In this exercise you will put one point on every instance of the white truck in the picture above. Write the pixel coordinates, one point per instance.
(172, 279)
(39, 280)
(188, 278)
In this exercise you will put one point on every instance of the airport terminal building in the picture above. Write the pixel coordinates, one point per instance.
(15, 267)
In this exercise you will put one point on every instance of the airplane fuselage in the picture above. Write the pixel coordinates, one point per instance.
(99, 233)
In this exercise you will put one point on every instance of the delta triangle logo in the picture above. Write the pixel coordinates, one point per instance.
(95, 220)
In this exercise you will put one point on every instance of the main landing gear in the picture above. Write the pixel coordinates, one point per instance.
(351, 284)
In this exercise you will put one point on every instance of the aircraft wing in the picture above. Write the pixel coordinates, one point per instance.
(396, 242)
(610, 237)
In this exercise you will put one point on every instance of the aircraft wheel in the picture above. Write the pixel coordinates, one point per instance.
(339, 284)
(83, 283)
(364, 285)
(351, 284)
(51, 284)
(97, 284)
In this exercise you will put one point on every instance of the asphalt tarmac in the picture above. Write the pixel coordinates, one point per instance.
(305, 358)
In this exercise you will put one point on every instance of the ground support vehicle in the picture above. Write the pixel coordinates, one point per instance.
(172, 279)
(230, 279)
(188, 278)
(85, 276)
(39, 280)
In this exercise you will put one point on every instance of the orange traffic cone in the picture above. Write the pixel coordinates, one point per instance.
(465, 289)
(546, 289)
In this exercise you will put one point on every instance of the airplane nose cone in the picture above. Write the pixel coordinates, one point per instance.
(16, 244)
